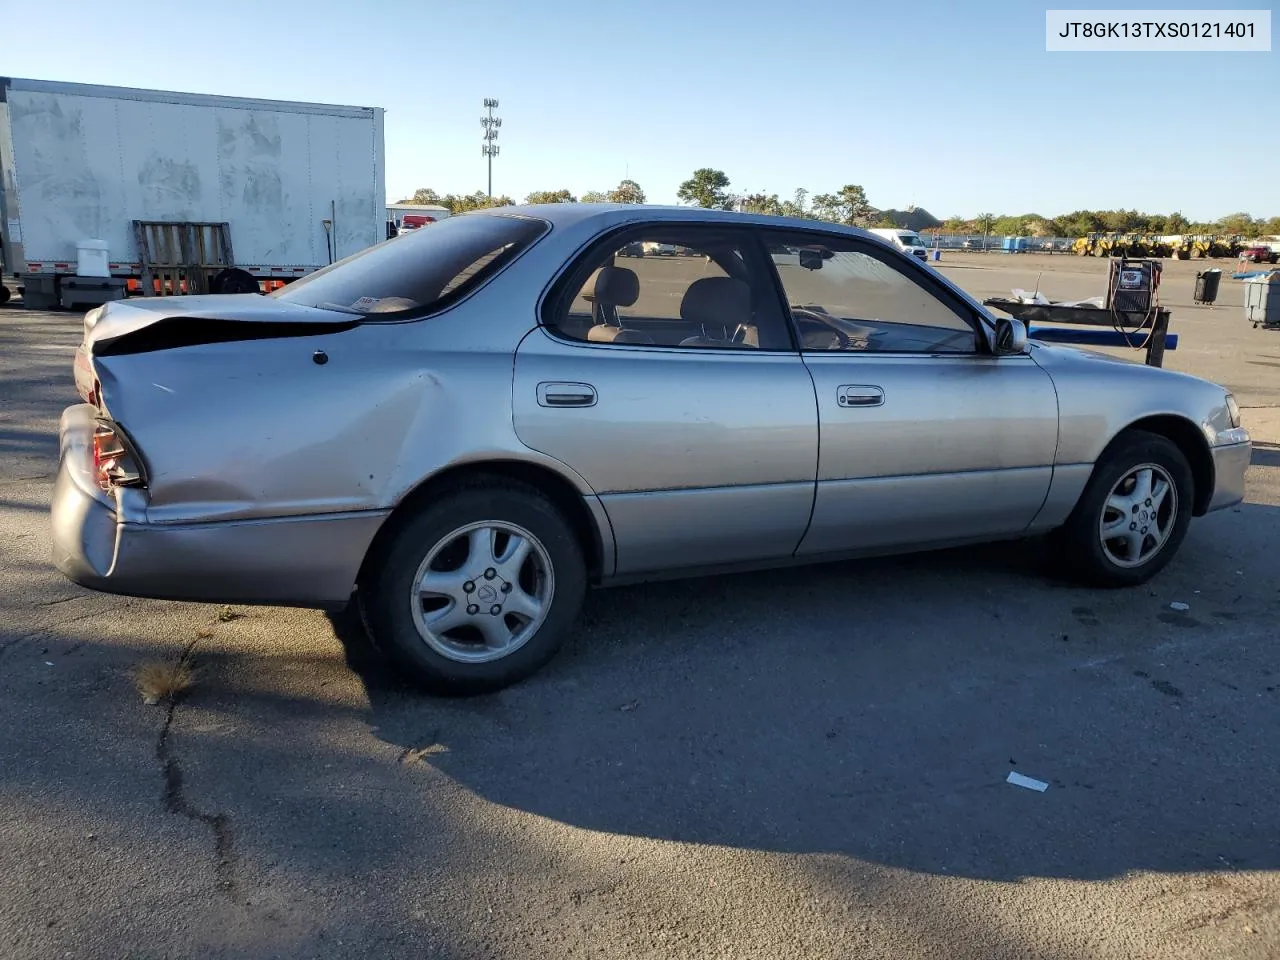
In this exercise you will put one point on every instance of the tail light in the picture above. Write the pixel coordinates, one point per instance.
(115, 461)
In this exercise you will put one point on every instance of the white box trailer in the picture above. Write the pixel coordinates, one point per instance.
(298, 185)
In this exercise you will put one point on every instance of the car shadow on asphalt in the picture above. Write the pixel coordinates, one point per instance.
(875, 709)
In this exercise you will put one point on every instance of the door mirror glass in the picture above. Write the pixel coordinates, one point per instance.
(1011, 336)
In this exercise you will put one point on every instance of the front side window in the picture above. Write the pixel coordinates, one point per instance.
(421, 270)
(672, 287)
(844, 295)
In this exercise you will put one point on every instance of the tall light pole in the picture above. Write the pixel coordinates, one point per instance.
(490, 147)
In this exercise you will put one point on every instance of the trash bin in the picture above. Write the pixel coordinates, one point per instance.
(1207, 282)
(937, 255)
(1262, 300)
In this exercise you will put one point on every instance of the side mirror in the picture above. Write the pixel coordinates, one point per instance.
(811, 259)
(1011, 336)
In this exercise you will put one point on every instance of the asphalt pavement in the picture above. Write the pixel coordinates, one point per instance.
(808, 763)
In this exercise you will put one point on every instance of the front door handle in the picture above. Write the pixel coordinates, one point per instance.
(566, 395)
(859, 395)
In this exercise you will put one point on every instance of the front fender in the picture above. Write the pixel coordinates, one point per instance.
(1100, 396)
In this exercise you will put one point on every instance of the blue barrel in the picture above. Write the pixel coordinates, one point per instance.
(937, 255)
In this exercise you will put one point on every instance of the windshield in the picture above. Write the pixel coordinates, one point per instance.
(911, 240)
(419, 270)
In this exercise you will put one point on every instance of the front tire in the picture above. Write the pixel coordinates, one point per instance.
(1133, 514)
(477, 590)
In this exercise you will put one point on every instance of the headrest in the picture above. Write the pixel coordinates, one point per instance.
(716, 300)
(615, 286)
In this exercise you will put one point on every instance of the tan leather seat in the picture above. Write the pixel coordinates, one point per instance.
(719, 306)
(611, 288)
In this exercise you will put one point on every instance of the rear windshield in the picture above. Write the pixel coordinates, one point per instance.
(419, 271)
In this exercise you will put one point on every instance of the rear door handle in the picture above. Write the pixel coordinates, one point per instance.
(859, 395)
(566, 395)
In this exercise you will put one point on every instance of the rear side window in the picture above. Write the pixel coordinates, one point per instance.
(420, 272)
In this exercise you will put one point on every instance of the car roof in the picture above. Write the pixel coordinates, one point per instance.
(572, 214)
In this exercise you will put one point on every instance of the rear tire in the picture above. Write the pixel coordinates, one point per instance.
(477, 590)
(1133, 514)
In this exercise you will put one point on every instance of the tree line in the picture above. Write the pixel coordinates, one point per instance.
(1080, 223)
(710, 188)
(628, 191)
(706, 188)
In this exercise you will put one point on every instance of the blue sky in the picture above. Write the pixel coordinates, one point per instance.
(956, 107)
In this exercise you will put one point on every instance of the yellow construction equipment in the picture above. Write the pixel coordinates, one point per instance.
(1134, 245)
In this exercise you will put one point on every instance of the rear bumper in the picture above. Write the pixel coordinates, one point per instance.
(102, 541)
(1230, 462)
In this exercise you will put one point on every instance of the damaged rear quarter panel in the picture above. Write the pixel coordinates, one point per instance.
(258, 429)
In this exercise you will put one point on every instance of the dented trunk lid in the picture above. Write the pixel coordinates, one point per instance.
(146, 324)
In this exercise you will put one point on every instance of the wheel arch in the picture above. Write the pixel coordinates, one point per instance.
(559, 489)
(1189, 439)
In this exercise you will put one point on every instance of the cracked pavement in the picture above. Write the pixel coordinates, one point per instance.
(800, 763)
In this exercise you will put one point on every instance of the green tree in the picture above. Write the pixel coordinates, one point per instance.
(1114, 221)
(984, 222)
(1141, 222)
(628, 191)
(706, 188)
(848, 206)
(1078, 223)
(474, 201)
(595, 196)
(550, 196)
(766, 203)
(1239, 224)
(798, 205)
(425, 196)
(1009, 226)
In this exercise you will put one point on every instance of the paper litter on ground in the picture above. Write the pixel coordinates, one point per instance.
(1018, 780)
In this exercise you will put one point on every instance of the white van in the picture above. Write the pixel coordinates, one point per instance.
(908, 241)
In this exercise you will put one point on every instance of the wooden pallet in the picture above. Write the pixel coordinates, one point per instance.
(181, 256)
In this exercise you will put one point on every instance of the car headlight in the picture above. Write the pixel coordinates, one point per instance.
(1233, 409)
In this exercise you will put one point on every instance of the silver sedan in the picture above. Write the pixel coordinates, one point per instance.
(465, 427)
